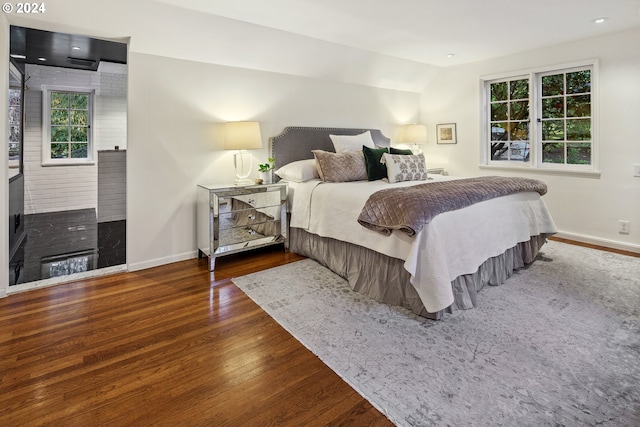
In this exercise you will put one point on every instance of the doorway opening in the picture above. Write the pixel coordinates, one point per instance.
(67, 157)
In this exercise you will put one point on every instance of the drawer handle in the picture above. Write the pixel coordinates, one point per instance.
(251, 232)
(251, 216)
(251, 201)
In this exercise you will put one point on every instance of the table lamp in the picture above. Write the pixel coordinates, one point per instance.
(242, 136)
(414, 135)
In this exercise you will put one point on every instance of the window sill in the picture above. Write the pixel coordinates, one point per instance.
(545, 171)
(69, 163)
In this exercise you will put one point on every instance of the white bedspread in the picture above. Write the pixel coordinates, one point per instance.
(454, 243)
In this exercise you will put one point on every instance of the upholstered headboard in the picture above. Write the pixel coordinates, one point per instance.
(296, 143)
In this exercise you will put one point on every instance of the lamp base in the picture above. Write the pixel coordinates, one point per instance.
(242, 181)
(242, 164)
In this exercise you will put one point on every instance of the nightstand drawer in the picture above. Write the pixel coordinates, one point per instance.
(256, 200)
(241, 214)
(242, 234)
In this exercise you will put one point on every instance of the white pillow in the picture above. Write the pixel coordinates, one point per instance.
(300, 171)
(343, 143)
(402, 167)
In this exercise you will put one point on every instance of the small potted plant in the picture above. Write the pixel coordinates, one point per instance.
(265, 170)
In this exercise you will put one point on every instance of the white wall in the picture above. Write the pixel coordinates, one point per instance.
(4, 173)
(176, 111)
(58, 188)
(586, 209)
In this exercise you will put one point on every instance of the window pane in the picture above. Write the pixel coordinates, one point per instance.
(553, 153)
(59, 134)
(553, 130)
(579, 82)
(520, 151)
(519, 110)
(79, 101)
(14, 150)
(553, 107)
(79, 134)
(499, 151)
(59, 151)
(579, 106)
(499, 131)
(14, 134)
(519, 131)
(79, 151)
(499, 111)
(579, 154)
(79, 118)
(59, 100)
(59, 117)
(579, 130)
(520, 89)
(499, 91)
(553, 85)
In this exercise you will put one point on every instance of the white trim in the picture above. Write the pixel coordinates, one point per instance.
(46, 283)
(541, 69)
(613, 244)
(92, 152)
(548, 171)
(156, 262)
(69, 162)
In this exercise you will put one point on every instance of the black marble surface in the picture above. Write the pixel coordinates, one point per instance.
(60, 243)
(112, 243)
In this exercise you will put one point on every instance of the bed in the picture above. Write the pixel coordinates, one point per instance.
(437, 270)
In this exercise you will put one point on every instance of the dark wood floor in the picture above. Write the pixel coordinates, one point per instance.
(173, 345)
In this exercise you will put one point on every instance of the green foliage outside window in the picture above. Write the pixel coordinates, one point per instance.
(566, 117)
(69, 119)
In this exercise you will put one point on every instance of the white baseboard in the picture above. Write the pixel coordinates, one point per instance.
(45, 283)
(156, 262)
(614, 244)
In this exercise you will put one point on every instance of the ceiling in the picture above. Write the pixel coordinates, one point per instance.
(426, 31)
(33, 46)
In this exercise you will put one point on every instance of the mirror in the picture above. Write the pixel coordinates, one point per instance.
(16, 91)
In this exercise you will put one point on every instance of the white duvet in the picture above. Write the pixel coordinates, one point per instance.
(454, 243)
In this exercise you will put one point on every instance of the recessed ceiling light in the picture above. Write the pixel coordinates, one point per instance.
(42, 59)
(600, 20)
(75, 47)
(450, 55)
(16, 56)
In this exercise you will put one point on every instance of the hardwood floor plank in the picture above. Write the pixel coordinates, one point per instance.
(172, 345)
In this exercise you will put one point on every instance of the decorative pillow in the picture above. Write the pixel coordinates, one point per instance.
(343, 143)
(372, 160)
(300, 171)
(400, 151)
(340, 167)
(402, 167)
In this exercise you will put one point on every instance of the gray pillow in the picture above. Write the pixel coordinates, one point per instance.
(340, 167)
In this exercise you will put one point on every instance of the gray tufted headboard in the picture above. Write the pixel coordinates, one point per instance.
(296, 143)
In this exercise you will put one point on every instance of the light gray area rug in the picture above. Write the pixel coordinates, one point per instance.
(557, 344)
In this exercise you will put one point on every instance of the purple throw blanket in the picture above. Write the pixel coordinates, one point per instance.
(408, 209)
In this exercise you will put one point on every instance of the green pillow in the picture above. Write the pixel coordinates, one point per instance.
(372, 157)
(400, 151)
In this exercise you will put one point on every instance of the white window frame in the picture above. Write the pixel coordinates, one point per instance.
(535, 163)
(46, 128)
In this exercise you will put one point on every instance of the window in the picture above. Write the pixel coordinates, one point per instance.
(542, 119)
(67, 121)
(509, 119)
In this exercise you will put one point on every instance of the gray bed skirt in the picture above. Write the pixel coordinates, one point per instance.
(384, 278)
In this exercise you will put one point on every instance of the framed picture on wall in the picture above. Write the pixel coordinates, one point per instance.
(446, 133)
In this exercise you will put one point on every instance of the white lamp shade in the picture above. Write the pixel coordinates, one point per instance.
(413, 134)
(242, 136)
